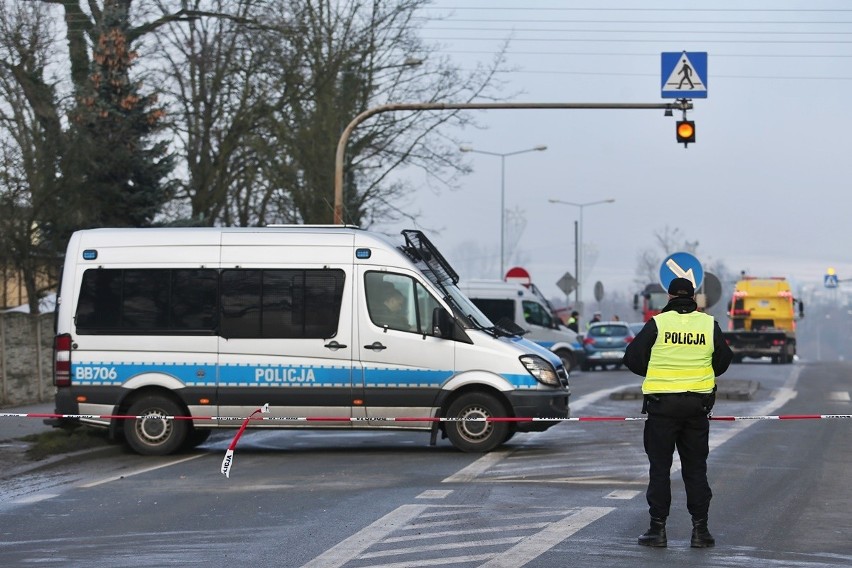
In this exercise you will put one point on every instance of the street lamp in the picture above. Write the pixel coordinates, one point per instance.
(503, 156)
(578, 253)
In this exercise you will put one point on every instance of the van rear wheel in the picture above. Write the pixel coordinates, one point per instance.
(154, 434)
(470, 432)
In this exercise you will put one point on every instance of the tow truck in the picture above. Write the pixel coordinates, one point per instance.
(762, 317)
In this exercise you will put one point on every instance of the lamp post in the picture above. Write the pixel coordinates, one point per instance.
(578, 253)
(503, 156)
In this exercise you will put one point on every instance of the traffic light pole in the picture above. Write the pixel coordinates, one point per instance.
(680, 104)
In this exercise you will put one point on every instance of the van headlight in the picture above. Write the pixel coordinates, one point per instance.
(541, 370)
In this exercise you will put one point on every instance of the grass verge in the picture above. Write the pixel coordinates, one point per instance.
(64, 441)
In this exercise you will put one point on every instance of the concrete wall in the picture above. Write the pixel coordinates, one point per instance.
(26, 358)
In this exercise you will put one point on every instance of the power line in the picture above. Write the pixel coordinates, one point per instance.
(657, 75)
(648, 54)
(690, 22)
(599, 9)
(625, 40)
(690, 32)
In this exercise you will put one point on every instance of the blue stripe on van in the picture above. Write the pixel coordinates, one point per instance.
(204, 375)
(283, 376)
(375, 377)
(112, 373)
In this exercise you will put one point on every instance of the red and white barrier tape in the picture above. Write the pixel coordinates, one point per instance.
(228, 461)
(253, 418)
(229, 454)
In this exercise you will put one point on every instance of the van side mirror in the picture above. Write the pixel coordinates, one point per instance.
(442, 323)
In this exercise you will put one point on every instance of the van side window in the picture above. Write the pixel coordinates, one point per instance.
(281, 303)
(399, 302)
(536, 314)
(148, 301)
(426, 305)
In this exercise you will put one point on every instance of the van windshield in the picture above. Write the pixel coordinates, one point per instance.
(467, 308)
(438, 271)
(471, 316)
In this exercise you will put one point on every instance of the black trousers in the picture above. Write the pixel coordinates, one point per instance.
(678, 421)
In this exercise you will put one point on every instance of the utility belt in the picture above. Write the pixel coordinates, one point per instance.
(663, 400)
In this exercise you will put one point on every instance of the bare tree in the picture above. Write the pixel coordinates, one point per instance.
(219, 110)
(77, 150)
(338, 58)
(30, 148)
(260, 98)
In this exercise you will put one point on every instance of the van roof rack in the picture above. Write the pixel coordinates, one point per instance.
(419, 248)
(302, 226)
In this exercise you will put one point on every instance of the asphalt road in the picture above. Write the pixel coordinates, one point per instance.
(571, 496)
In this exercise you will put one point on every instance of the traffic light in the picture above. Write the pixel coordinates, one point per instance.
(685, 132)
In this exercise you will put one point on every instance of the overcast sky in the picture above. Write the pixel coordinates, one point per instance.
(765, 188)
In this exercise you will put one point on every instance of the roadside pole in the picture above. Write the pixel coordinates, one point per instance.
(681, 104)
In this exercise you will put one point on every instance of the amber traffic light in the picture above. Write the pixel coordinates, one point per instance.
(685, 132)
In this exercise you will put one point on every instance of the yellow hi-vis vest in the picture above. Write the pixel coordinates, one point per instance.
(682, 356)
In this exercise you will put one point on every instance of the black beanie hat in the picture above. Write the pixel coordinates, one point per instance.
(682, 288)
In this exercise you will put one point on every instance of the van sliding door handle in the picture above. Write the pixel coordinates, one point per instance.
(334, 346)
(375, 346)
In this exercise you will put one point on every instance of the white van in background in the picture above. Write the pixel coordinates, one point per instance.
(500, 300)
(214, 323)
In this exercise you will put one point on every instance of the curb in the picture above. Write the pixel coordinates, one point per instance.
(726, 390)
(33, 466)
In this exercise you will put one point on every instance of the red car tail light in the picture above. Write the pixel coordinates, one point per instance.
(62, 360)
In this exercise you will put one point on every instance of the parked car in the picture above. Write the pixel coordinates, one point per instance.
(605, 343)
(636, 327)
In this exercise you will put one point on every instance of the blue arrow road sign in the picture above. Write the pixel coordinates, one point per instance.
(684, 75)
(681, 265)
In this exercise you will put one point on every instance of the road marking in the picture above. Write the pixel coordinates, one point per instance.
(542, 541)
(489, 460)
(588, 480)
(415, 529)
(622, 494)
(348, 549)
(469, 544)
(479, 467)
(34, 498)
(841, 396)
(434, 494)
(138, 471)
(445, 561)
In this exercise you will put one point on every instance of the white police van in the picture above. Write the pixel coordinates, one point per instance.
(216, 322)
(526, 308)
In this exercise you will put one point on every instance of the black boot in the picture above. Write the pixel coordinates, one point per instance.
(701, 537)
(656, 535)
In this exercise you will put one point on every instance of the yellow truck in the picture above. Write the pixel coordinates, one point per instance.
(762, 318)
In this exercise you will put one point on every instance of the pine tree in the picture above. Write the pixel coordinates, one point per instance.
(117, 169)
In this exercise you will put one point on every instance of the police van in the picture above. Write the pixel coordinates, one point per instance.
(216, 322)
(526, 308)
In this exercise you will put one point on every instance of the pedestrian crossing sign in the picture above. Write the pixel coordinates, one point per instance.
(684, 75)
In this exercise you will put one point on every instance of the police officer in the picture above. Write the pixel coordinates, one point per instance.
(596, 317)
(680, 352)
(574, 321)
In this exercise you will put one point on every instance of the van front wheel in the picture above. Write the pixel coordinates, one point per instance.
(153, 434)
(469, 432)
